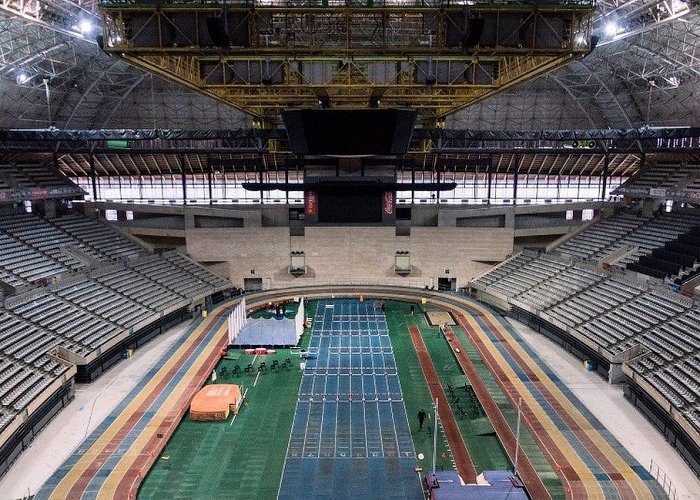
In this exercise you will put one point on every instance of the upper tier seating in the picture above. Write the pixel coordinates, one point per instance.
(98, 236)
(23, 261)
(654, 234)
(664, 181)
(45, 237)
(34, 181)
(599, 236)
(645, 236)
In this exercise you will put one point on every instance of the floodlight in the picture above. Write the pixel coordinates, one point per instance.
(611, 28)
(85, 27)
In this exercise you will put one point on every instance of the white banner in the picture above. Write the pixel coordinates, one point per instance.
(299, 319)
(236, 321)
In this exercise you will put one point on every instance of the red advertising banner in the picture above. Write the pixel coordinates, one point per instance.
(311, 203)
(388, 203)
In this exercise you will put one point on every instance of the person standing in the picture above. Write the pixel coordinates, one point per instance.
(421, 418)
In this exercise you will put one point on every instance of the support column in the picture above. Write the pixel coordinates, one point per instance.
(606, 164)
(488, 180)
(615, 373)
(437, 194)
(184, 185)
(413, 181)
(93, 176)
(260, 178)
(210, 175)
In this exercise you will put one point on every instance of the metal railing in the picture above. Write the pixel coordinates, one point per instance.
(663, 480)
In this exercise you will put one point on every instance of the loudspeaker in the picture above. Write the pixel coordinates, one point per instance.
(475, 28)
(215, 26)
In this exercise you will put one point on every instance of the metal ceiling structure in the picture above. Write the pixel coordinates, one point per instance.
(433, 56)
(157, 164)
(647, 72)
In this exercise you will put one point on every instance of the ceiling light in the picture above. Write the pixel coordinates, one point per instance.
(611, 28)
(22, 78)
(85, 27)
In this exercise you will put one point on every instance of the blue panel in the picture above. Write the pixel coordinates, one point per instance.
(331, 385)
(330, 411)
(394, 386)
(344, 385)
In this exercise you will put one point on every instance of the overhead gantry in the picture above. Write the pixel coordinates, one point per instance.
(264, 56)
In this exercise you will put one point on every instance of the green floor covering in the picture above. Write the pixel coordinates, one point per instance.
(243, 460)
(484, 449)
(415, 390)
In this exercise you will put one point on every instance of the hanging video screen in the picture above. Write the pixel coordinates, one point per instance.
(349, 132)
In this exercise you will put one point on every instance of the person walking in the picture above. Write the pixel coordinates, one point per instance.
(421, 418)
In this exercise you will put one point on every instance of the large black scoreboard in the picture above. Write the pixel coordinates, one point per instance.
(346, 132)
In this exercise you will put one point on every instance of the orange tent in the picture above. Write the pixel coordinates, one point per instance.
(215, 401)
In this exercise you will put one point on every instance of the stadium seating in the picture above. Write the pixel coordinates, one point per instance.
(96, 287)
(677, 181)
(552, 291)
(614, 312)
(98, 236)
(34, 181)
(171, 276)
(663, 246)
(139, 288)
(654, 234)
(600, 236)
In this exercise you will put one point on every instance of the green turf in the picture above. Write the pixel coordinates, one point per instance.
(484, 448)
(244, 460)
(416, 394)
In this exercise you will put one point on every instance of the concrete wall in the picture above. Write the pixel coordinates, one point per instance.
(357, 254)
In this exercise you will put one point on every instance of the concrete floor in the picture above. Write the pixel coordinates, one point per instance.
(619, 416)
(92, 403)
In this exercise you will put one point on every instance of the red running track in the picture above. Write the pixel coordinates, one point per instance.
(463, 462)
(534, 485)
